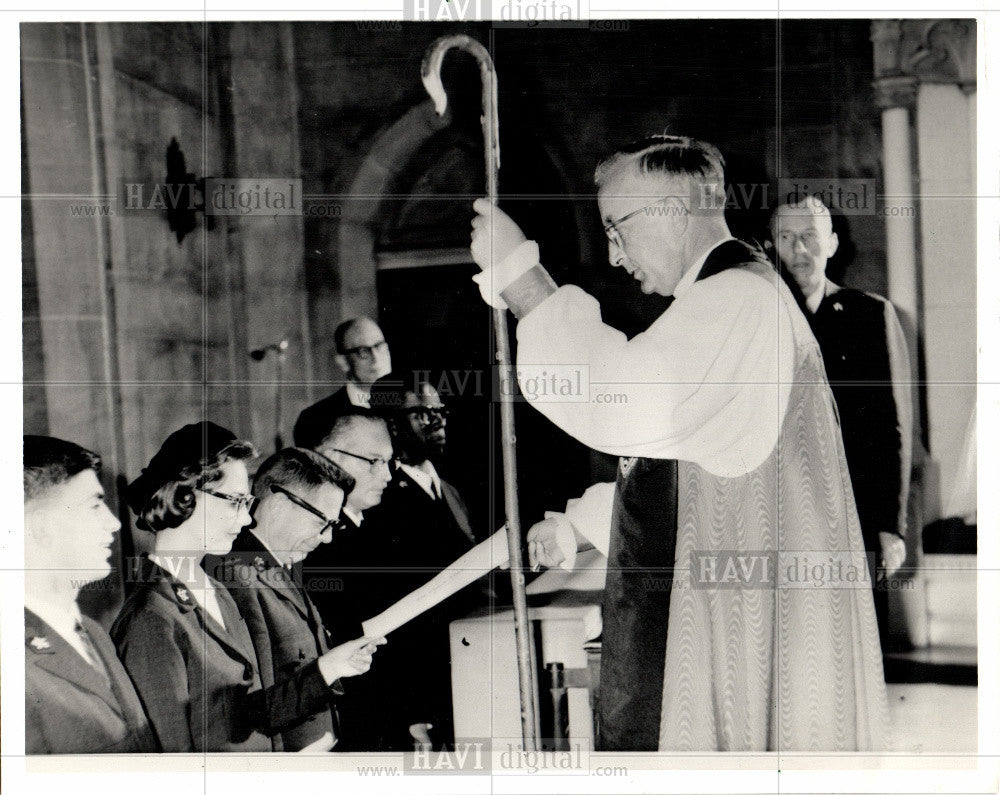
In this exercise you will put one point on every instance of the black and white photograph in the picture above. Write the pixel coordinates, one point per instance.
(500, 396)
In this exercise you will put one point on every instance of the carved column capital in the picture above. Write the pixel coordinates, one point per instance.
(899, 91)
(926, 50)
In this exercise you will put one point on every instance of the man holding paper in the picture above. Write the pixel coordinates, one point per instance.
(729, 449)
(299, 496)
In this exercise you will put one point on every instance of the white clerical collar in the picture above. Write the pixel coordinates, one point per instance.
(814, 300)
(355, 516)
(691, 276)
(358, 395)
(425, 476)
(57, 613)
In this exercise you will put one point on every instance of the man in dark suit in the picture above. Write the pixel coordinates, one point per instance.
(363, 355)
(300, 494)
(339, 575)
(865, 355)
(420, 526)
(77, 697)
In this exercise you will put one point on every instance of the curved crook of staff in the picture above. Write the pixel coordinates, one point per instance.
(430, 73)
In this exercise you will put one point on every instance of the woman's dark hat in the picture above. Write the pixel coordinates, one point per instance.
(182, 454)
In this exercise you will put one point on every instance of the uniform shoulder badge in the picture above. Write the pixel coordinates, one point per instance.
(40, 643)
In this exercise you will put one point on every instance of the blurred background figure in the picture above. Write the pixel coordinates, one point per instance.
(867, 365)
(363, 355)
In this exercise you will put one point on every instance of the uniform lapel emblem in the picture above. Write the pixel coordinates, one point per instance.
(182, 594)
(838, 307)
(625, 466)
(259, 564)
(40, 643)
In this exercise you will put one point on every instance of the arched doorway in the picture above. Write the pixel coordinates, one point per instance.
(405, 233)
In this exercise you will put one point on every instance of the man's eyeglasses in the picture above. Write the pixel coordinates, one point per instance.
(427, 414)
(614, 233)
(247, 501)
(373, 463)
(335, 524)
(365, 352)
(808, 238)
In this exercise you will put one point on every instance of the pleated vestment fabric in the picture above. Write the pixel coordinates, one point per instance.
(765, 666)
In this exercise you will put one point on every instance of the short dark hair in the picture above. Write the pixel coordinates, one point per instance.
(388, 394)
(667, 155)
(49, 461)
(294, 467)
(163, 496)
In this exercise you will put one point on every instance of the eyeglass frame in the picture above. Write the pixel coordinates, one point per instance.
(295, 499)
(390, 463)
(614, 234)
(247, 501)
(799, 237)
(365, 352)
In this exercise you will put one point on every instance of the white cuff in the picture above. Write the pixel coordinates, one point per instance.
(495, 280)
(565, 539)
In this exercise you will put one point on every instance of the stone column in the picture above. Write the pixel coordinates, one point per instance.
(896, 95)
(925, 83)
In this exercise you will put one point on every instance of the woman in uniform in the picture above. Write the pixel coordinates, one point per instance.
(180, 635)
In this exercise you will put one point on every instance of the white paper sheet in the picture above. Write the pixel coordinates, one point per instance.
(477, 562)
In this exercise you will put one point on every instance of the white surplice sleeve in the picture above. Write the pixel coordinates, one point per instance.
(590, 515)
(707, 382)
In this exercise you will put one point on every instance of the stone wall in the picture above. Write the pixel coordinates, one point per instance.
(130, 333)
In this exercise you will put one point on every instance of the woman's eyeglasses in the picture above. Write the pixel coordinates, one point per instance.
(335, 524)
(247, 501)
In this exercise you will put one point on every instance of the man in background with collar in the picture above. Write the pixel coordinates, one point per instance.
(299, 497)
(77, 698)
(364, 356)
(868, 368)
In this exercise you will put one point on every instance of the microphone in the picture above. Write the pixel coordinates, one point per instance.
(258, 354)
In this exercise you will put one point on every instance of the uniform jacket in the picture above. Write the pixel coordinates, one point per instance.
(68, 707)
(200, 682)
(285, 627)
(865, 356)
